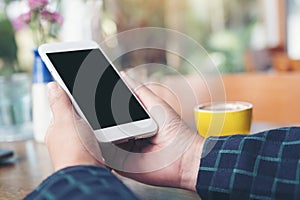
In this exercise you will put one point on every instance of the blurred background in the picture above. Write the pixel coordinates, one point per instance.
(240, 35)
(250, 38)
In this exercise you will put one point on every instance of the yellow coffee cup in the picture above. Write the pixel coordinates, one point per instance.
(223, 118)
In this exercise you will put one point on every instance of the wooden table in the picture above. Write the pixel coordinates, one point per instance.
(31, 164)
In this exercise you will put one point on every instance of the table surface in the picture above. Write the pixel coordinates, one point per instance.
(31, 164)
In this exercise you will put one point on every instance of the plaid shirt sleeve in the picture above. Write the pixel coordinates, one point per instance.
(260, 166)
(81, 182)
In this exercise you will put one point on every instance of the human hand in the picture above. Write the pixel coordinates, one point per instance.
(68, 148)
(177, 148)
(69, 139)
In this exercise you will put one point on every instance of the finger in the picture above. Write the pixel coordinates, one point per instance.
(148, 98)
(88, 139)
(59, 101)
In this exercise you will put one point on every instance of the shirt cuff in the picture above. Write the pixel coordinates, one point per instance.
(258, 166)
(81, 182)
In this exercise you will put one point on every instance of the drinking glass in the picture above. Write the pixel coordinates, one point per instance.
(15, 107)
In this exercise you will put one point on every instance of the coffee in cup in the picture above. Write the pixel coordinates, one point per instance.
(223, 118)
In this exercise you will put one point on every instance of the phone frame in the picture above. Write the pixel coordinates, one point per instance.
(134, 130)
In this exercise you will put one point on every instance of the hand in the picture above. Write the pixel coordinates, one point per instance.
(71, 142)
(173, 140)
(63, 139)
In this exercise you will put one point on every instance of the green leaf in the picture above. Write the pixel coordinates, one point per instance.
(8, 46)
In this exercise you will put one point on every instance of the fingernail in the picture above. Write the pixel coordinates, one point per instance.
(52, 89)
(122, 73)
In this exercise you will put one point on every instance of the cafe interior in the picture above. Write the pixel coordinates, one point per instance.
(187, 52)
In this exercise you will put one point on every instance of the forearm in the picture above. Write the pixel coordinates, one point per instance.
(190, 164)
(82, 182)
(263, 165)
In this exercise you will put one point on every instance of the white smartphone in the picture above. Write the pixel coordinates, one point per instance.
(97, 91)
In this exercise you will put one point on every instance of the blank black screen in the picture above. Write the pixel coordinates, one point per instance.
(98, 90)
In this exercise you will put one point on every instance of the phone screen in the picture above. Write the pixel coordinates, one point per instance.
(97, 88)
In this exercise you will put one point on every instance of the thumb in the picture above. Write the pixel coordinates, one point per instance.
(59, 101)
(148, 98)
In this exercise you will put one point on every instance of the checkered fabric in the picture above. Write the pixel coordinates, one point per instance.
(260, 166)
(81, 182)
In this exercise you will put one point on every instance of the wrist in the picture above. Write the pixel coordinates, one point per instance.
(190, 164)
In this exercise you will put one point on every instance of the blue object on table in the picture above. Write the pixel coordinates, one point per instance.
(40, 73)
(5, 154)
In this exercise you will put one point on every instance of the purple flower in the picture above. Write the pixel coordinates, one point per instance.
(22, 21)
(40, 21)
(53, 17)
(37, 4)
